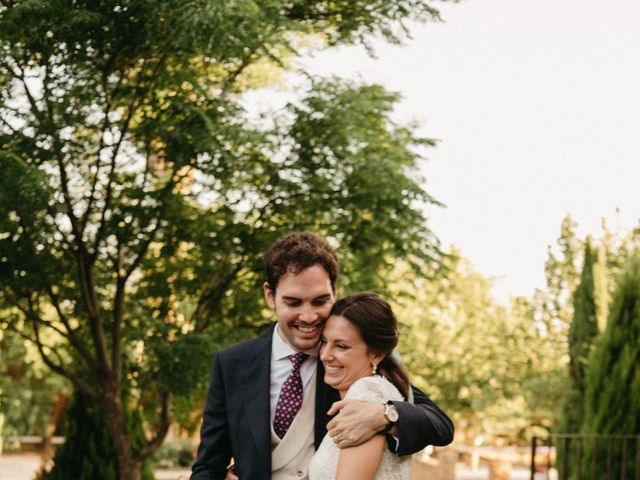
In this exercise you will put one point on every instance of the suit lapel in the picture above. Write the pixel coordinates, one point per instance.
(255, 374)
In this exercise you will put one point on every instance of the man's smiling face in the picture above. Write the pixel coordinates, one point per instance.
(302, 302)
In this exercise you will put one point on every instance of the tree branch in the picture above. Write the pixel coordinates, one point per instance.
(59, 369)
(40, 117)
(116, 327)
(75, 341)
(64, 179)
(175, 180)
(94, 182)
(105, 125)
(84, 260)
(87, 283)
(232, 78)
(161, 431)
(212, 295)
(31, 314)
(132, 108)
(13, 130)
(30, 98)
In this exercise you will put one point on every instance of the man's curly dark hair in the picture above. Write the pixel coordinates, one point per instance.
(297, 251)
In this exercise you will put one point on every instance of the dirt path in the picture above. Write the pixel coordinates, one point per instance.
(18, 467)
(23, 466)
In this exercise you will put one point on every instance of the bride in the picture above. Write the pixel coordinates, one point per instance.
(357, 340)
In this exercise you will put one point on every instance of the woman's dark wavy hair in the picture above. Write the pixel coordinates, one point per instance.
(378, 327)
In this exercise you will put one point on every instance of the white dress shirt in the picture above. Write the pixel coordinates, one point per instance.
(281, 367)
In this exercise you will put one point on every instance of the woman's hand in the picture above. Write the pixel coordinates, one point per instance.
(355, 423)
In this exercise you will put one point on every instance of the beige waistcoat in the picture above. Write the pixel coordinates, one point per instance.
(290, 456)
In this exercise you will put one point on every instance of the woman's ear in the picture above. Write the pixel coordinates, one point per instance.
(376, 358)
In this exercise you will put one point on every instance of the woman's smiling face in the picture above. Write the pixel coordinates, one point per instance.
(344, 354)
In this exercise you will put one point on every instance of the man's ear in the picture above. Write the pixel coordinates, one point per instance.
(269, 295)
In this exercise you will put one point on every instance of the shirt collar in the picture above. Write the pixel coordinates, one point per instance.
(281, 349)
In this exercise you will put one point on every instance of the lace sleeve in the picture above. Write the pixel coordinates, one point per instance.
(374, 389)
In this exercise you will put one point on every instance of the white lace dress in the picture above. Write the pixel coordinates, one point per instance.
(374, 389)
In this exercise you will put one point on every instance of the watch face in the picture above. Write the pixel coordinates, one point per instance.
(392, 413)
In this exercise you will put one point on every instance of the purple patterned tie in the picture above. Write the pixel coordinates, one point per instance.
(290, 399)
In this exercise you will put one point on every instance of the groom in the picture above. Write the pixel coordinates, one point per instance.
(268, 407)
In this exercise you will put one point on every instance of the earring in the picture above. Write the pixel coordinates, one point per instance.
(375, 369)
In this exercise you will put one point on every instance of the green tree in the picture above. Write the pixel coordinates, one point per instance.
(136, 196)
(554, 305)
(553, 311)
(587, 306)
(613, 378)
(562, 274)
(542, 379)
(483, 361)
(31, 400)
(582, 332)
(89, 454)
(2, 402)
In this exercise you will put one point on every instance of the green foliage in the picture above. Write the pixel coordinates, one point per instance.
(582, 332)
(554, 305)
(562, 274)
(584, 325)
(504, 369)
(613, 378)
(486, 364)
(88, 452)
(175, 453)
(343, 134)
(137, 197)
(28, 391)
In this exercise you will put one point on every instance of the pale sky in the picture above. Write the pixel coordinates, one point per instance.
(536, 104)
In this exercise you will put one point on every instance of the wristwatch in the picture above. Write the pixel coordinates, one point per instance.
(391, 414)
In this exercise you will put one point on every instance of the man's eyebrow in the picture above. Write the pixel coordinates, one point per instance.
(285, 297)
(320, 297)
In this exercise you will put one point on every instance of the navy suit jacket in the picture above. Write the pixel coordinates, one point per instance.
(237, 417)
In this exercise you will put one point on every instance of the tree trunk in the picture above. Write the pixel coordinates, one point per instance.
(130, 471)
(47, 451)
(129, 468)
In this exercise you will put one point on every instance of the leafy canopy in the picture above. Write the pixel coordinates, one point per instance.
(136, 197)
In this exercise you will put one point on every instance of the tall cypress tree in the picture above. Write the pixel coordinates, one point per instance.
(582, 332)
(601, 275)
(587, 307)
(612, 400)
(584, 325)
(88, 452)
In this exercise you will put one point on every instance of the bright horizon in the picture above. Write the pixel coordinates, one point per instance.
(536, 108)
